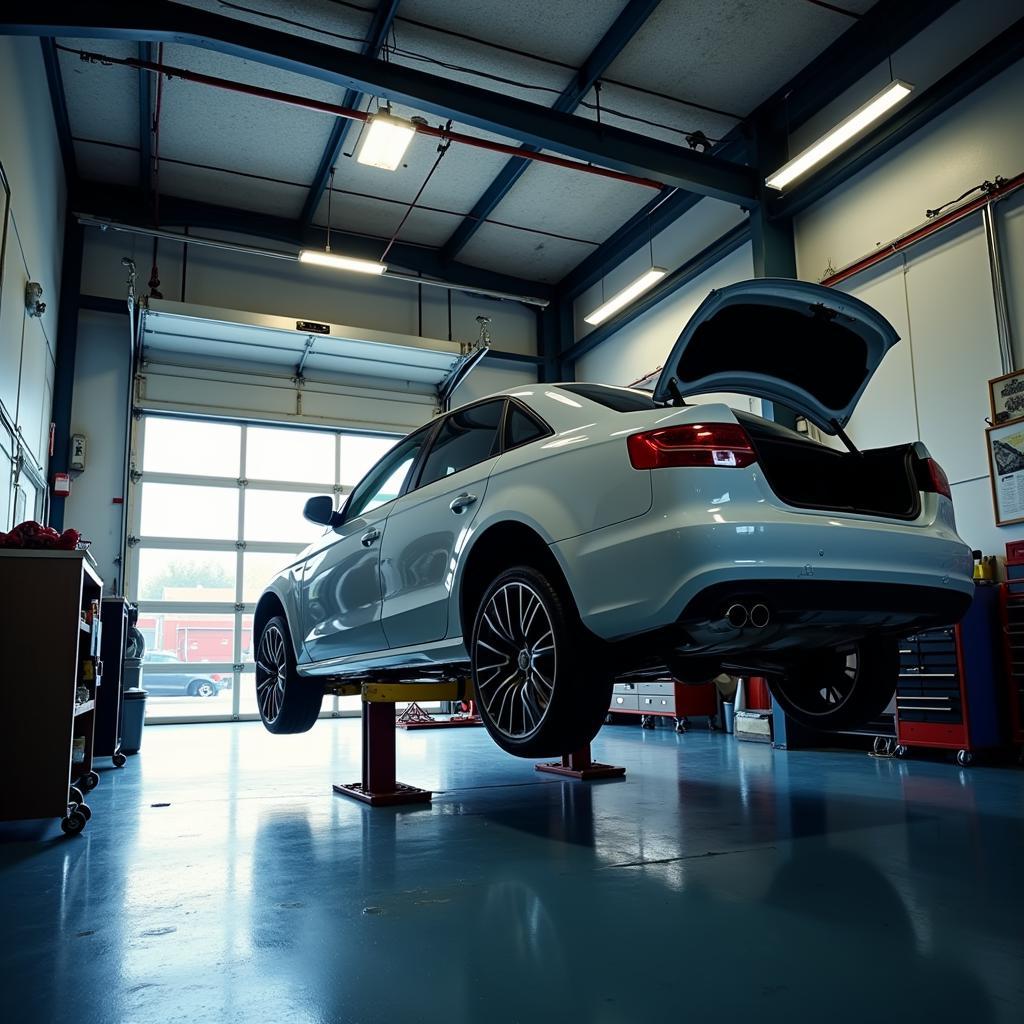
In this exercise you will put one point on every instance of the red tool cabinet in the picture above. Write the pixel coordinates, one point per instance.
(1011, 607)
(664, 698)
(950, 684)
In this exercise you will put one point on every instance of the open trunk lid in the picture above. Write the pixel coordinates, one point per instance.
(806, 346)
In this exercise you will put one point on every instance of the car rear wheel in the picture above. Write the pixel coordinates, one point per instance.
(539, 686)
(202, 688)
(287, 702)
(842, 688)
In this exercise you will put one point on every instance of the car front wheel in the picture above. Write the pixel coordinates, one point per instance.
(841, 688)
(287, 702)
(539, 686)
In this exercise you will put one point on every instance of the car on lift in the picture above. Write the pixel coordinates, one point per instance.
(186, 682)
(545, 539)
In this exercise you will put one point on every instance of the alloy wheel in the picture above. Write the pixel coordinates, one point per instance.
(515, 660)
(837, 683)
(271, 672)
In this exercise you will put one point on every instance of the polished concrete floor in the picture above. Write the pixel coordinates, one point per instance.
(221, 880)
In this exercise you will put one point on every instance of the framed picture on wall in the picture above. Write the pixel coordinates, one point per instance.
(1006, 397)
(1006, 469)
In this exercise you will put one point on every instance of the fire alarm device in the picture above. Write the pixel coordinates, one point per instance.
(61, 484)
(77, 460)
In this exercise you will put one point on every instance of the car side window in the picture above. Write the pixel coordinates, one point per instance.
(467, 437)
(385, 481)
(521, 428)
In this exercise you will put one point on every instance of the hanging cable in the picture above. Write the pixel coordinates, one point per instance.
(442, 149)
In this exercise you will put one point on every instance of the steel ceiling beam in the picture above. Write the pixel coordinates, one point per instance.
(119, 203)
(866, 44)
(59, 103)
(145, 120)
(383, 19)
(571, 136)
(630, 20)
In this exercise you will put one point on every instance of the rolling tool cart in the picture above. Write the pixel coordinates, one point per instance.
(949, 691)
(664, 698)
(51, 637)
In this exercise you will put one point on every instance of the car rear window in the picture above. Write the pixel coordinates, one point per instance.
(619, 399)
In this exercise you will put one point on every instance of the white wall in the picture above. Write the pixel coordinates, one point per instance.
(31, 157)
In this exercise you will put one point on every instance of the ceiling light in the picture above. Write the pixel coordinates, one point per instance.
(322, 258)
(847, 129)
(626, 296)
(385, 141)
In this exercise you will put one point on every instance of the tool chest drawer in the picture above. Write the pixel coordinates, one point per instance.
(656, 689)
(657, 704)
(625, 702)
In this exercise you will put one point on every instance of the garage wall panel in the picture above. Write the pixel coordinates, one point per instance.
(98, 411)
(31, 159)
(887, 411)
(956, 346)
(1010, 225)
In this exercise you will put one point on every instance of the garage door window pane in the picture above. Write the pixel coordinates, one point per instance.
(187, 638)
(360, 454)
(191, 446)
(186, 575)
(258, 569)
(277, 516)
(293, 456)
(184, 510)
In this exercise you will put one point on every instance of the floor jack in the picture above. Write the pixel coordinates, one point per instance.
(379, 787)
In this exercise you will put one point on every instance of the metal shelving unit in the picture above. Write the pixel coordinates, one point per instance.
(51, 640)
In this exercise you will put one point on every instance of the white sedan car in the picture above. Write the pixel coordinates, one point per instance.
(548, 538)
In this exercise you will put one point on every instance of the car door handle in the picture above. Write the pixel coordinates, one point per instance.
(462, 502)
(369, 537)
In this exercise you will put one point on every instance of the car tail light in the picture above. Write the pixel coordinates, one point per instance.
(691, 444)
(934, 478)
(215, 677)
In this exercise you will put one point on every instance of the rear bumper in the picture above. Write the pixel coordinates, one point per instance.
(668, 570)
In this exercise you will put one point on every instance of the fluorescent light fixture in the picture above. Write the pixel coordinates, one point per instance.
(626, 296)
(320, 258)
(385, 141)
(847, 129)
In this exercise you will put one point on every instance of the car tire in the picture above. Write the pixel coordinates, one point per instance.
(202, 688)
(540, 685)
(287, 702)
(842, 688)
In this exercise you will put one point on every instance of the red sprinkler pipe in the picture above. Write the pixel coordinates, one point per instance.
(918, 234)
(351, 114)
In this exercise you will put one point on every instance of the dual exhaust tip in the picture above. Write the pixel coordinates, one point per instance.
(739, 615)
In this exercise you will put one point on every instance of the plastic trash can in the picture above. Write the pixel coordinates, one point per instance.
(131, 678)
(728, 715)
(133, 715)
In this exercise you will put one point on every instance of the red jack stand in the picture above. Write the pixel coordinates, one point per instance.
(379, 787)
(578, 765)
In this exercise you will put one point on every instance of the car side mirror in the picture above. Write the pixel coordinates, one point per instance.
(320, 510)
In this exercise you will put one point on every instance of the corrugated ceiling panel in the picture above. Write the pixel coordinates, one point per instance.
(103, 101)
(731, 56)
